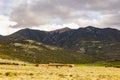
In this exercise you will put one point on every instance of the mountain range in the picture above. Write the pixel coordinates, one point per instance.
(83, 45)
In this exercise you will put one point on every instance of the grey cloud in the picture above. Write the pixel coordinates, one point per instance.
(40, 12)
(112, 20)
(7, 6)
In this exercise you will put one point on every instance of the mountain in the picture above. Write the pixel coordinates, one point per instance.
(61, 30)
(1, 36)
(87, 44)
(66, 35)
(73, 37)
(29, 34)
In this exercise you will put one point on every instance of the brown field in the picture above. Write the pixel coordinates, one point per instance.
(31, 72)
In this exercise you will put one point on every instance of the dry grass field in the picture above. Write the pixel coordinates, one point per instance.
(31, 72)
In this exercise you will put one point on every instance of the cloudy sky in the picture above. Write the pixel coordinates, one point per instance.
(54, 14)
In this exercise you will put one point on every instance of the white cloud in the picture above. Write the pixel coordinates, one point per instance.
(51, 27)
(6, 30)
(4, 25)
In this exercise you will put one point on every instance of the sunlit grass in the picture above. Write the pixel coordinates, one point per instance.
(12, 72)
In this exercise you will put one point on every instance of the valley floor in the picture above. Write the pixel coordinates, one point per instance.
(31, 72)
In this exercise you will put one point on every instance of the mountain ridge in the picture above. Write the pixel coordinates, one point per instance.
(63, 30)
(94, 44)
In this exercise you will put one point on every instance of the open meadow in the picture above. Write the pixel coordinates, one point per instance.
(32, 72)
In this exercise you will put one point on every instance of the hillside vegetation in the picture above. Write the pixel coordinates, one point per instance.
(35, 52)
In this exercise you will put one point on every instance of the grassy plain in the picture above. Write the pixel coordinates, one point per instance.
(31, 72)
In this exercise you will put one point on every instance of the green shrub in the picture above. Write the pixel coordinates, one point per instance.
(7, 73)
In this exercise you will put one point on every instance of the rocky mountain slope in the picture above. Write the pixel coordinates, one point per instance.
(87, 44)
